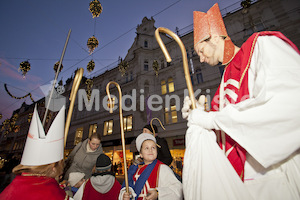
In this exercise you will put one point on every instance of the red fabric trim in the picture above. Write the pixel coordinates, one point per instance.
(153, 178)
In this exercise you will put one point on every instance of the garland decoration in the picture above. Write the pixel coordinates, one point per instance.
(24, 67)
(92, 44)
(29, 94)
(123, 67)
(55, 67)
(91, 65)
(89, 84)
(95, 8)
(155, 67)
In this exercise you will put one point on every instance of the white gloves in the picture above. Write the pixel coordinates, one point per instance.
(203, 119)
(198, 116)
(186, 108)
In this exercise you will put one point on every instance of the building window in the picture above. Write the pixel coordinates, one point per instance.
(108, 127)
(127, 123)
(162, 64)
(199, 76)
(78, 135)
(171, 115)
(167, 87)
(127, 99)
(92, 129)
(163, 87)
(128, 77)
(146, 65)
(192, 78)
(171, 85)
(146, 43)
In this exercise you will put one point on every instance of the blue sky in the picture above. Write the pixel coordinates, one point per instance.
(36, 31)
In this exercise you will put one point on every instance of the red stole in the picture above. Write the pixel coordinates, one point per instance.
(152, 181)
(90, 193)
(236, 90)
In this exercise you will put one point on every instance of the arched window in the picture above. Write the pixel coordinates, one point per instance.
(146, 43)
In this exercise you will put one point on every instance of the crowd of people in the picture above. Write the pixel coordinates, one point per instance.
(250, 119)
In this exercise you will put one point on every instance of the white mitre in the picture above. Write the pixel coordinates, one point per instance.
(42, 149)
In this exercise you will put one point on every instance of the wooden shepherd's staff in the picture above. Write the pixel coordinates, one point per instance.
(184, 58)
(121, 125)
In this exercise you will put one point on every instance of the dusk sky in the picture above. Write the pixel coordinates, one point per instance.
(37, 30)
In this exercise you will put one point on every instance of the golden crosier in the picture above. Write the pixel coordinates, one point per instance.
(121, 125)
(72, 98)
(184, 58)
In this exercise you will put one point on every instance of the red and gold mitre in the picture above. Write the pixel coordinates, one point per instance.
(210, 23)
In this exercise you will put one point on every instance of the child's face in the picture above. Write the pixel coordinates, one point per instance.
(79, 183)
(148, 151)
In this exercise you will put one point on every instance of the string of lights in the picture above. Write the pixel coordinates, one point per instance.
(81, 60)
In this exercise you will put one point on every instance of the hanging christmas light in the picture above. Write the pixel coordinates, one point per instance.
(92, 44)
(155, 67)
(95, 8)
(1, 116)
(55, 67)
(91, 65)
(24, 67)
(89, 84)
(123, 67)
(29, 117)
(246, 4)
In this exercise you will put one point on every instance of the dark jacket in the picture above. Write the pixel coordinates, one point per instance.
(163, 153)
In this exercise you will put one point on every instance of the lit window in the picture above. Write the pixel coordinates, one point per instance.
(171, 85)
(174, 114)
(78, 135)
(127, 123)
(171, 115)
(92, 129)
(146, 65)
(163, 87)
(167, 121)
(108, 127)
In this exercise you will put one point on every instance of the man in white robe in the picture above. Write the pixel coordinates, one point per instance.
(256, 110)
